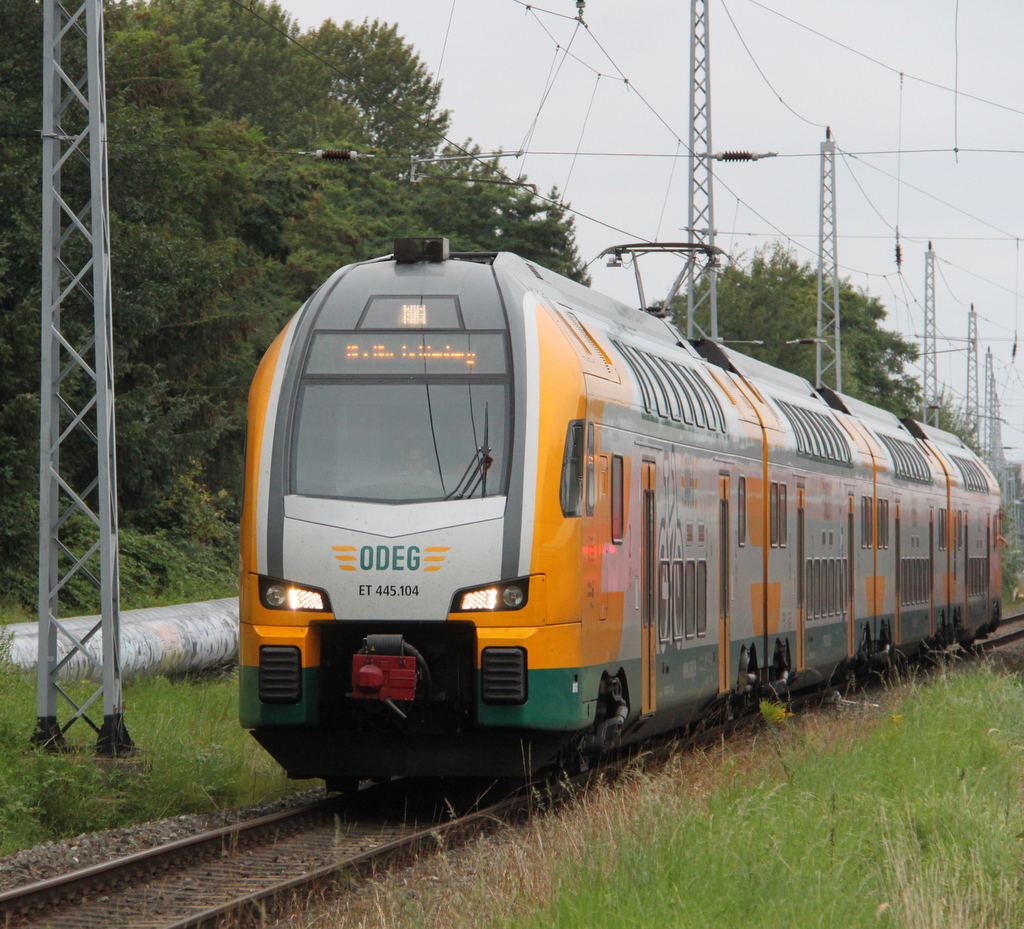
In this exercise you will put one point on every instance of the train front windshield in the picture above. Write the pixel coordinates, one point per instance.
(387, 417)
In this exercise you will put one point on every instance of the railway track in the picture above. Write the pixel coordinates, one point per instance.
(244, 873)
(241, 873)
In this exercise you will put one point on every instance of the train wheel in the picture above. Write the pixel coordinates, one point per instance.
(342, 785)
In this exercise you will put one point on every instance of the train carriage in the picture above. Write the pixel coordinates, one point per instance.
(495, 521)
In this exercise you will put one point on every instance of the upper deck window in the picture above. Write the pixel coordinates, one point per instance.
(817, 436)
(909, 462)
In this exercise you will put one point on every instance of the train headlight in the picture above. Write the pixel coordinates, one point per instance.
(506, 595)
(283, 595)
(513, 597)
(275, 596)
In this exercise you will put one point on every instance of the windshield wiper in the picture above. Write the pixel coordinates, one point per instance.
(475, 475)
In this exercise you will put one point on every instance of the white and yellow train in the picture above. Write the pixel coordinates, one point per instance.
(494, 520)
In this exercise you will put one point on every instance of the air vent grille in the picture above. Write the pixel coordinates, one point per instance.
(280, 674)
(503, 676)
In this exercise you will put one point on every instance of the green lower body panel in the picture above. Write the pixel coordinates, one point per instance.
(554, 701)
(252, 713)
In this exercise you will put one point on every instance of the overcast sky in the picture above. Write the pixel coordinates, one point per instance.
(781, 70)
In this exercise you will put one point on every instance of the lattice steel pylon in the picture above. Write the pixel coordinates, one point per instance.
(993, 449)
(829, 354)
(973, 394)
(700, 219)
(77, 484)
(930, 387)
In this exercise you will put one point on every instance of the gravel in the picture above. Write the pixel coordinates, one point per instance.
(56, 858)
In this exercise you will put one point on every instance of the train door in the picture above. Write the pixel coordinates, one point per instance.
(898, 572)
(649, 587)
(801, 586)
(724, 543)
(931, 570)
(851, 584)
(988, 565)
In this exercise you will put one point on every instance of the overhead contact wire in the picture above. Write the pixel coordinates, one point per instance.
(764, 77)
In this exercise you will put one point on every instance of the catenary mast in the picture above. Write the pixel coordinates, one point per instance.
(78, 481)
(829, 356)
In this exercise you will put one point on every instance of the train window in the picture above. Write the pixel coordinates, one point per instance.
(690, 599)
(678, 600)
(417, 441)
(658, 386)
(865, 522)
(618, 502)
(387, 311)
(882, 508)
(684, 390)
(942, 530)
(808, 590)
(833, 586)
(699, 408)
(741, 514)
(571, 492)
(591, 490)
(773, 513)
(642, 377)
(909, 463)
(972, 474)
(666, 379)
(702, 598)
(783, 515)
(664, 601)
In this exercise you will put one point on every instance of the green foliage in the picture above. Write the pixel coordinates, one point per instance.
(192, 758)
(775, 300)
(378, 78)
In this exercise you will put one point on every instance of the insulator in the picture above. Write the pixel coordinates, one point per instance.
(735, 156)
(335, 154)
(899, 255)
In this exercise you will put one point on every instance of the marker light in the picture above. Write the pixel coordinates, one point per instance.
(480, 599)
(300, 599)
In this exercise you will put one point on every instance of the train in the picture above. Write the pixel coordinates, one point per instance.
(496, 523)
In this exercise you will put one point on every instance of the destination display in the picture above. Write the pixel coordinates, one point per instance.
(343, 353)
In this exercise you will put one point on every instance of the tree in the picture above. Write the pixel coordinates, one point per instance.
(250, 68)
(379, 76)
(775, 300)
(216, 240)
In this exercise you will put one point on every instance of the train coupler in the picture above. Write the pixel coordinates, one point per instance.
(389, 669)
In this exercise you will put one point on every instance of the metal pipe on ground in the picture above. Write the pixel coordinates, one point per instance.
(187, 638)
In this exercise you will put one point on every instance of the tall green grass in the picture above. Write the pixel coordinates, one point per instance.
(192, 757)
(905, 814)
(916, 824)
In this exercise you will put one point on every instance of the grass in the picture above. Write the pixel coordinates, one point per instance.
(192, 757)
(907, 814)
